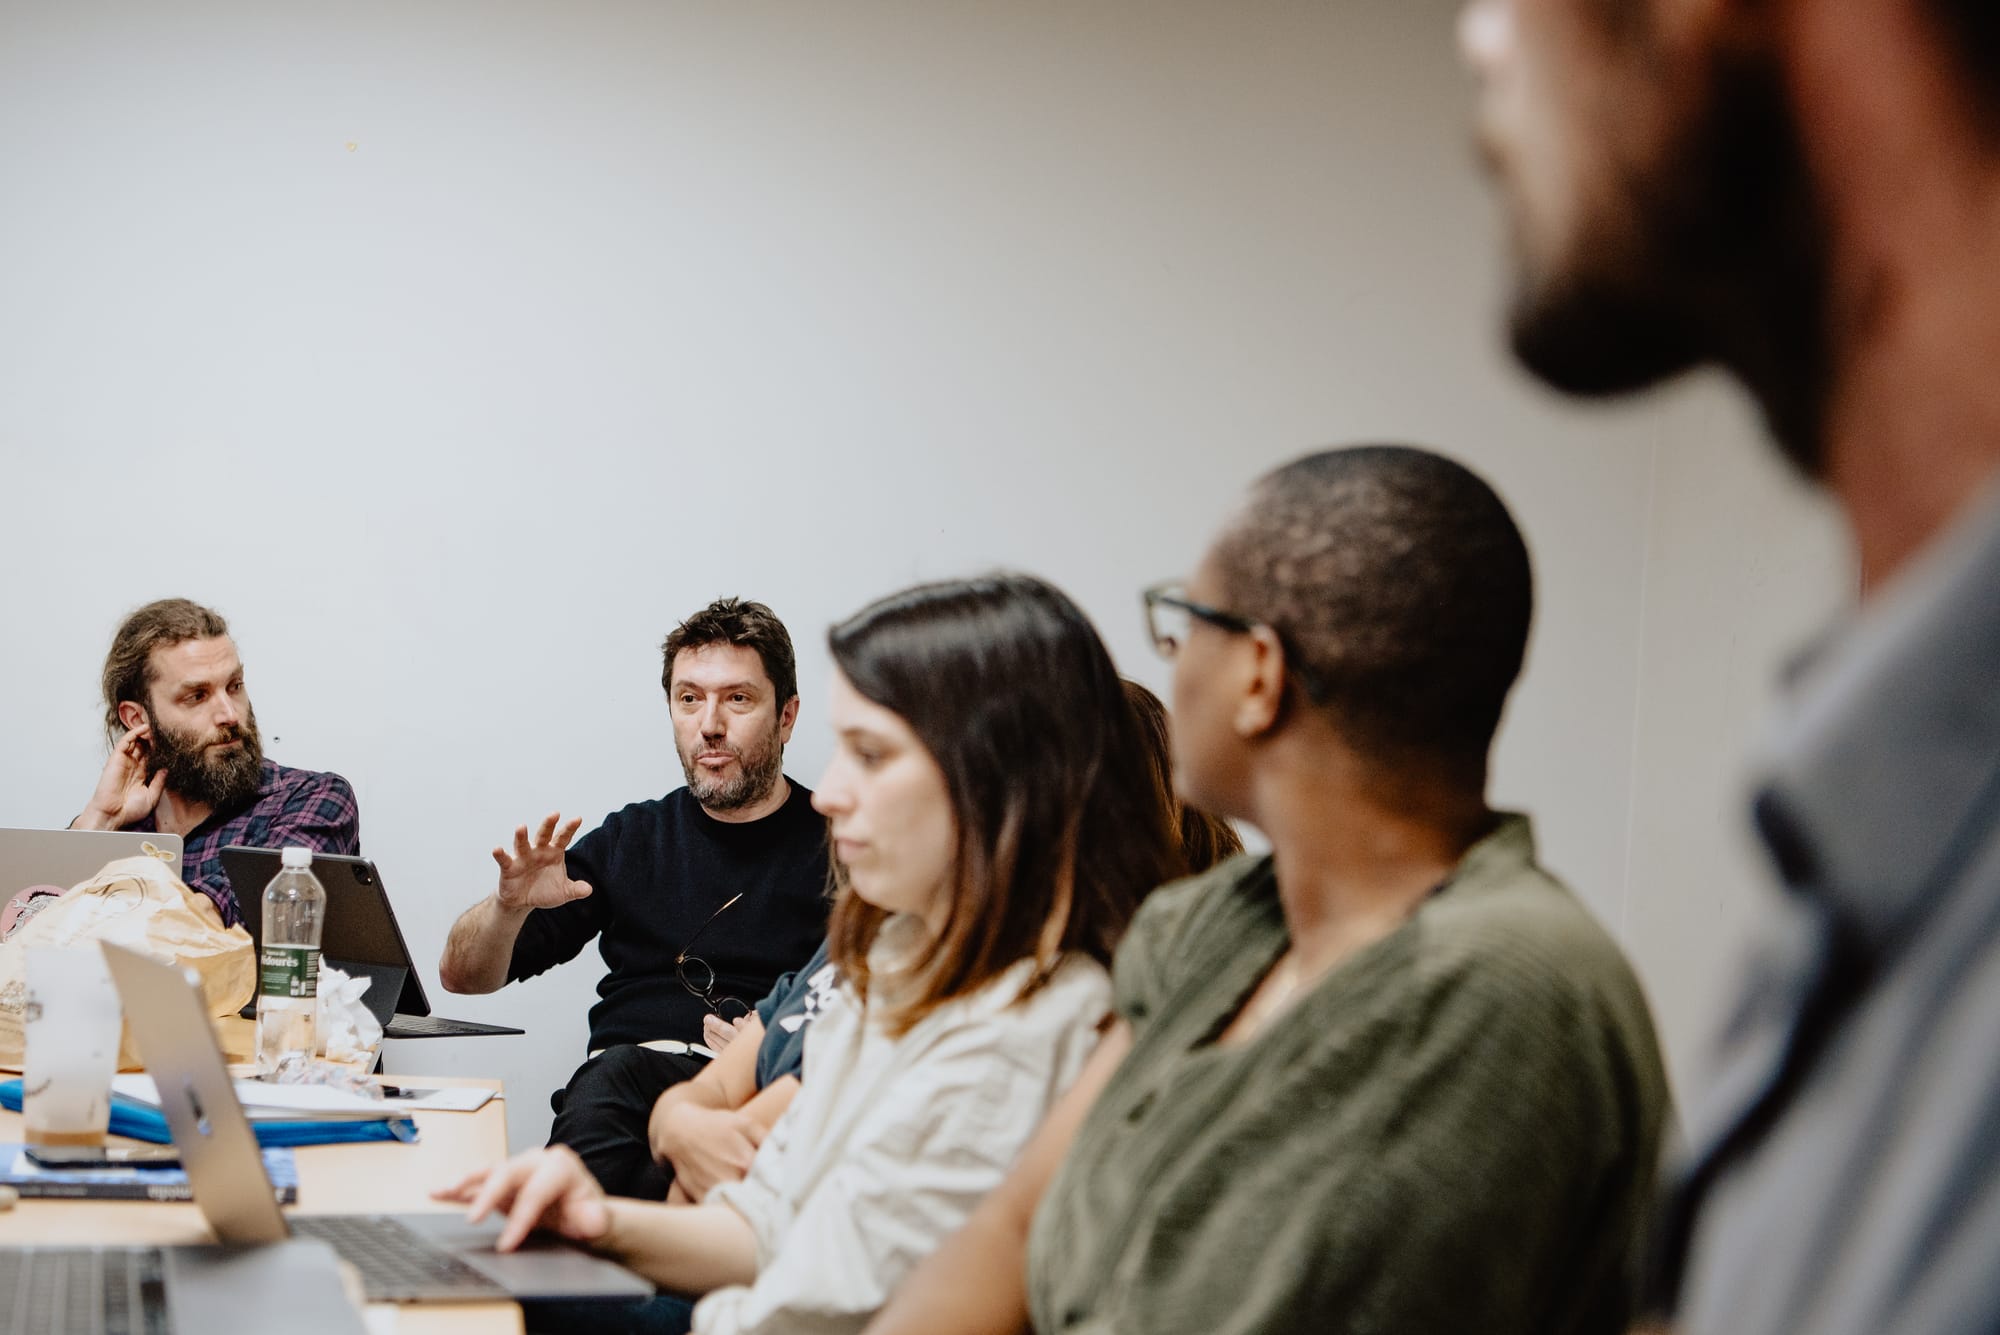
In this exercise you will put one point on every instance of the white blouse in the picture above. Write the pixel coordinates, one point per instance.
(891, 1143)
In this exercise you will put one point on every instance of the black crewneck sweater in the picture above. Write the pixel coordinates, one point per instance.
(657, 870)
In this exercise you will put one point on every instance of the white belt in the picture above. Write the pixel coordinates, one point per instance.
(673, 1047)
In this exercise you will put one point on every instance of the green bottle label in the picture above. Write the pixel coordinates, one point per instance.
(291, 971)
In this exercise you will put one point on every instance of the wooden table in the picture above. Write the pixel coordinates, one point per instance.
(376, 1177)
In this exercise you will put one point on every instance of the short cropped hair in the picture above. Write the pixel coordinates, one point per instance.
(734, 621)
(1401, 583)
(128, 668)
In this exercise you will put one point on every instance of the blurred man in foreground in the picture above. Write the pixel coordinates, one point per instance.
(1807, 194)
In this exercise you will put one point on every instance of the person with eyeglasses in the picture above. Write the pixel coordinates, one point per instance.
(1390, 1077)
(699, 902)
(994, 825)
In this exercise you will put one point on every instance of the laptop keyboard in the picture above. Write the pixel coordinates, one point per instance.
(419, 1026)
(397, 1265)
(83, 1291)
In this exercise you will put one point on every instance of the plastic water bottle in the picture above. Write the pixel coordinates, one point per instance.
(288, 992)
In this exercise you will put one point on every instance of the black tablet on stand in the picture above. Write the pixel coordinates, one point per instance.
(361, 939)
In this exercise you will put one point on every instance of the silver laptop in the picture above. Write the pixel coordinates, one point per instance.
(108, 1290)
(402, 1258)
(174, 1290)
(64, 858)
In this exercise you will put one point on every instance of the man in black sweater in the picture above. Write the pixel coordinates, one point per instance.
(699, 899)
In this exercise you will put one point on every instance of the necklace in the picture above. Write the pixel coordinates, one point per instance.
(1284, 980)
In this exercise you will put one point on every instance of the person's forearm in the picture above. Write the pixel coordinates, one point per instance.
(666, 1128)
(724, 1084)
(93, 819)
(975, 1284)
(727, 1082)
(691, 1249)
(772, 1100)
(693, 1093)
(481, 944)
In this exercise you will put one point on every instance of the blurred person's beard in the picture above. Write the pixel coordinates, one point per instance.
(219, 779)
(1713, 251)
(757, 773)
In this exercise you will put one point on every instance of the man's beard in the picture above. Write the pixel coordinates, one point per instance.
(757, 773)
(220, 780)
(1713, 252)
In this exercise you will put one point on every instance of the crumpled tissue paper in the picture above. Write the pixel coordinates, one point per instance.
(348, 1030)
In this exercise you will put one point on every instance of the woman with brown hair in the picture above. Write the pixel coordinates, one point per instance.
(993, 825)
(1205, 839)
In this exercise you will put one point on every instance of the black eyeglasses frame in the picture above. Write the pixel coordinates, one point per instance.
(1168, 593)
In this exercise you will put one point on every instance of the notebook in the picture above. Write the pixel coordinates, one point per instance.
(136, 1182)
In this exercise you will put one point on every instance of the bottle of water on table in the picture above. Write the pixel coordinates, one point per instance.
(288, 990)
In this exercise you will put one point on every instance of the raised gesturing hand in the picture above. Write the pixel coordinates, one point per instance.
(534, 877)
(124, 791)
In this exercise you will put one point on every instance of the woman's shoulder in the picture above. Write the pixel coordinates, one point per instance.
(1009, 1029)
(1076, 982)
(1077, 986)
(1076, 979)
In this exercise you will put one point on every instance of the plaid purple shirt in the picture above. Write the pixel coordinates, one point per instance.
(292, 806)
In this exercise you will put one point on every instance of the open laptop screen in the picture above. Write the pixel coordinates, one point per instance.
(64, 858)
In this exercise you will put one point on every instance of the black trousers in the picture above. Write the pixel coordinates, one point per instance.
(602, 1115)
(667, 1314)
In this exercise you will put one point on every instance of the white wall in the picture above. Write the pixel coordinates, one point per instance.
(455, 349)
(1744, 567)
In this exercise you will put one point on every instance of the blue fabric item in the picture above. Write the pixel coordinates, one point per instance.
(138, 1121)
(792, 1005)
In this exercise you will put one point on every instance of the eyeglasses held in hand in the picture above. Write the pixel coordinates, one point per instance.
(697, 975)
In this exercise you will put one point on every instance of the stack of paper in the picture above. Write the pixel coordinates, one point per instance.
(319, 1103)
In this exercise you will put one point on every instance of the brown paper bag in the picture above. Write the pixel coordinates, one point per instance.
(137, 903)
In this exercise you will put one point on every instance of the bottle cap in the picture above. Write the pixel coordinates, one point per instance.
(298, 857)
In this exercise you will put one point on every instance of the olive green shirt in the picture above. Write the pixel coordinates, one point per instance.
(1456, 1129)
